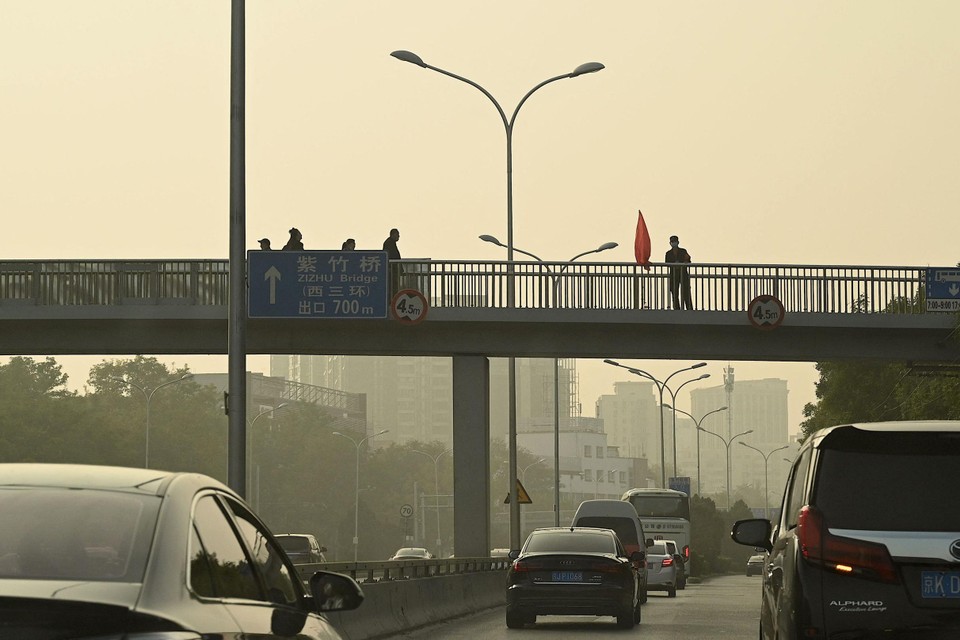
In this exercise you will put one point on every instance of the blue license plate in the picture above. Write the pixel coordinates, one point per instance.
(940, 584)
(568, 576)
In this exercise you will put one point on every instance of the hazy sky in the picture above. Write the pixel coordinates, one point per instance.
(757, 131)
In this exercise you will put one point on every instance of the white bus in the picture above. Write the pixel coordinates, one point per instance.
(665, 515)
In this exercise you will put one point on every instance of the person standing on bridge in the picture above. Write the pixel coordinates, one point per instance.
(265, 244)
(348, 245)
(295, 243)
(679, 275)
(393, 253)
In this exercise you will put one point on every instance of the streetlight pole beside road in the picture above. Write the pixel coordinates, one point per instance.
(356, 494)
(148, 396)
(697, 423)
(556, 366)
(766, 458)
(727, 444)
(436, 490)
(589, 67)
(660, 387)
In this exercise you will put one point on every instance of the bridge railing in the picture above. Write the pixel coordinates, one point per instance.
(484, 284)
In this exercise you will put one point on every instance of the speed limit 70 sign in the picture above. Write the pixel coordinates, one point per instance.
(765, 312)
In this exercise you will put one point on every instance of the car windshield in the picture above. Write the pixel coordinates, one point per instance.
(294, 544)
(71, 534)
(570, 541)
(661, 506)
(411, 552)
(889, 481)
(625, 528)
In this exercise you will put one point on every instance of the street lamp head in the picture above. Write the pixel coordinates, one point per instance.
(704, 376)
(613, 362)
(381, 432)
(667, 406)
(587, 67)
(607, 245)
(723, 408)
(491, 240)
(698, 365)
(409, 56)
(337, 433)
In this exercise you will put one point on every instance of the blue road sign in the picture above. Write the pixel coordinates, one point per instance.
(317, 284)
(679, 483)
(943, 289)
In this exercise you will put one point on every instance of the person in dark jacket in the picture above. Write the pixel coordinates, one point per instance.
(295, 243)
(679, 275)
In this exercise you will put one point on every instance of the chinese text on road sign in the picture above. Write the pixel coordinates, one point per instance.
(317, 284)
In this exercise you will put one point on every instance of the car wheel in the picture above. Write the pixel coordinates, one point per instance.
(637, 613)
(625, 620)
(643, 596)
(514, 620)
(671, 593)
(530, 619)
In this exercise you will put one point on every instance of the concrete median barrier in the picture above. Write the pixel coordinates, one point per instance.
(392, 606)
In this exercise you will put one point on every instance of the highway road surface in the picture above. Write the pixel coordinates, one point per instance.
(719, 607)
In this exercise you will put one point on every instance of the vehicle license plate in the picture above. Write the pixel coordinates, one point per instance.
(940, 584)
(568, 576)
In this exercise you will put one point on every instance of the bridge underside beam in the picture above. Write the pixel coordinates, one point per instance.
(653, 335)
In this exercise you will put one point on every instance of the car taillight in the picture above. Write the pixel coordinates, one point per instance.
(606, 567)
(521, 566)
(845, 556)
(686, 551)
(666, 562)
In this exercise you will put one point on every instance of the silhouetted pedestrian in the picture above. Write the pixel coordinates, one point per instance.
(295, 242)
(265, 244)
(349, 244)
(390, 245)
(679, 276)
(393, 253)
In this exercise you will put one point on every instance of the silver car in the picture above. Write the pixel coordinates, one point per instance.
(110, 552)
(661, 569)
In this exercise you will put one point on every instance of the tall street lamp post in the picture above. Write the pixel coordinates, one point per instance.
(254, 472)
(436, 490)
(556, 366)
(589, 67)
(698, 423)
(727, 444)
(766, 489)
(356, 494)
(660, 388)
(148, 396)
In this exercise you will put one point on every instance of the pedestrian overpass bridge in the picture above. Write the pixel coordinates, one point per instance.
(482, 309)
(577, 310)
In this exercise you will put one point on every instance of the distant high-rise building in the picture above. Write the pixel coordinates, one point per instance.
(412, 397)
(630, 419)
(757, 405)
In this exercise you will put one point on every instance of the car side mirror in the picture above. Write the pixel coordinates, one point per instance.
(335, 591)
(754, 532)
(513, 555)
(648, 542)
(638, 556)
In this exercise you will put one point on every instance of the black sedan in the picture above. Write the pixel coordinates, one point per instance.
(110, 552)
(573, 571)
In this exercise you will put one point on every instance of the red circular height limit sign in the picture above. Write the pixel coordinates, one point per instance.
(765, 312)
(409, 306)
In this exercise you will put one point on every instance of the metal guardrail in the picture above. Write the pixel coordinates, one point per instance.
(406, 569)
(460, 284)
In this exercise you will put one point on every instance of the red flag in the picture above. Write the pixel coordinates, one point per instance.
(641, 246)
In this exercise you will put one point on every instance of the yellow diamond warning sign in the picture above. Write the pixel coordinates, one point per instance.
(522, 496)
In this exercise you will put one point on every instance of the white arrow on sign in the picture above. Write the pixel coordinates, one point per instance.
(273, 274)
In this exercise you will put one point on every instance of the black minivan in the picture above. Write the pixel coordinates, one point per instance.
(868, 541)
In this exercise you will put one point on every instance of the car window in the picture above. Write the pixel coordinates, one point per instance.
(570, 542)
(889, 481)
(624, 527)
(797, 481)
(295, 544)
(219, 566)
(658, 549)
(91, 535)
(279, 578)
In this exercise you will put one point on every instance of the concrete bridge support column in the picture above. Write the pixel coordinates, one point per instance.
(471, 456)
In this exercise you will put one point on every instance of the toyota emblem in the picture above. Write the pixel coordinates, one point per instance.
(955, 549)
